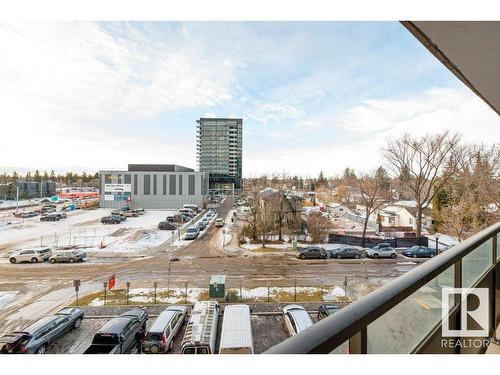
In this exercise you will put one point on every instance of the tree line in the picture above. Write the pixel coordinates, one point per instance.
(68, 178)
(459, 181)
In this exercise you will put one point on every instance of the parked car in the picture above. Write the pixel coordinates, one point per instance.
(236, 335)
(37, 338)
(185, 218)
(61, 214)
(187, 211)
(192, 233)
(346, 252)
(130, 213)
(201, 331)
(201, 224)
(119, 214)
(327, 310)
(419, 252)
(192, 207)
(311, 252)
(52, 216)
(219, 222)
(110, 220)
(33, 255)
(26, 215)
(160, 337)
(382, 250)
(117, 336)
(296, 319)
(71, 256)
(165, 225)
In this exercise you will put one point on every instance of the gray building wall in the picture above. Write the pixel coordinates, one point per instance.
(161, 190)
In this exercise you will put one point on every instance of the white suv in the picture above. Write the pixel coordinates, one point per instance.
(34, 255)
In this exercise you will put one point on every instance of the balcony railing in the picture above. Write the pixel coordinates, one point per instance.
(406, 315)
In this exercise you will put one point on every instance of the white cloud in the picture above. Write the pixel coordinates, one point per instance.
(63, 83)
(366, 128)
(273, 112)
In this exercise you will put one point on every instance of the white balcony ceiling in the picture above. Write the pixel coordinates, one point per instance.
(471, 50)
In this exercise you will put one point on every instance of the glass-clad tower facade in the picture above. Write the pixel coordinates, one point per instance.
(219, 151)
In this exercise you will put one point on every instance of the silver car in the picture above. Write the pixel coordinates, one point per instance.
(33, 255)
(37, 338)
(296, 319)
(68, 256)
(160, 337)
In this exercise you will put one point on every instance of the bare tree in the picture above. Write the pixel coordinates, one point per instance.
(423, 165)
(318, 226)
(374, 191)
(469, 201)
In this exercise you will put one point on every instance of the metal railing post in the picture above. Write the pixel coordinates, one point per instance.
(358, 344)
(458, 303)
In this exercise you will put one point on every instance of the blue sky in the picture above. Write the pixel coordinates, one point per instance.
(313, 95)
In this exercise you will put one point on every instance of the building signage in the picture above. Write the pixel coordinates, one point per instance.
(109, 197)
(117, 188)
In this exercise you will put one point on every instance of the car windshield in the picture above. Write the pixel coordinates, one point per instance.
(43, 251)
(191, 230)
(106, 339)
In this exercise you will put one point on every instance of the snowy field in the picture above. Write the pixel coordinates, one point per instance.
(83, 228)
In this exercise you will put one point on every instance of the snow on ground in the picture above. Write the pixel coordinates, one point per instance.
(176, 295)
(444, 241)
(7, 297)
(83, 228)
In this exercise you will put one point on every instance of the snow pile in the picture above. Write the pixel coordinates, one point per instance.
(7, 298)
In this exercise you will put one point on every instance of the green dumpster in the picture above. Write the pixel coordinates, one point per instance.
(217, 287)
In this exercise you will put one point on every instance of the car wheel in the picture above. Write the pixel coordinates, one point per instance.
(414, 255)
(71, 260)
(432, 255)
(52, 260)
(42, 349)
(302, 256)
(13, 260)
(375, 256)
(356, 256)
(34, 260)
(339, 256)
(393, 256)
(77, 323)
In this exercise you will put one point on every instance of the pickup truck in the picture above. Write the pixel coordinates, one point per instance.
(117, 336)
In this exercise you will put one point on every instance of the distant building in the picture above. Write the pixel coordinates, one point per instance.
(398, 216)
(153, 186)
(219, 148)
(32, 189)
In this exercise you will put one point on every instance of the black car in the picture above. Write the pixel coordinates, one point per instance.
(50, 217)
(327, 310)
(346, 252)
(311, 252)
(111, 220)
(118, 335)
(165, 225)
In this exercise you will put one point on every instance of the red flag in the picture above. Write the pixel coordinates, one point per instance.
(111, 282)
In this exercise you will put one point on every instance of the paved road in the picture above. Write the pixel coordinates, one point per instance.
(43, 288)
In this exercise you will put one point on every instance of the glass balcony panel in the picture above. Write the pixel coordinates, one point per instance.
(403, 327)
(475, 264)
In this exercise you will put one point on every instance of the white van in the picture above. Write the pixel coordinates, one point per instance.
(236, 335)
(192, 207)
(201, 330)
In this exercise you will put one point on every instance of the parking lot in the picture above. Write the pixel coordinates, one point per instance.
(268, 329)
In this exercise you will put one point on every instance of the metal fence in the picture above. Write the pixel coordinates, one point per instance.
(234, 291)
